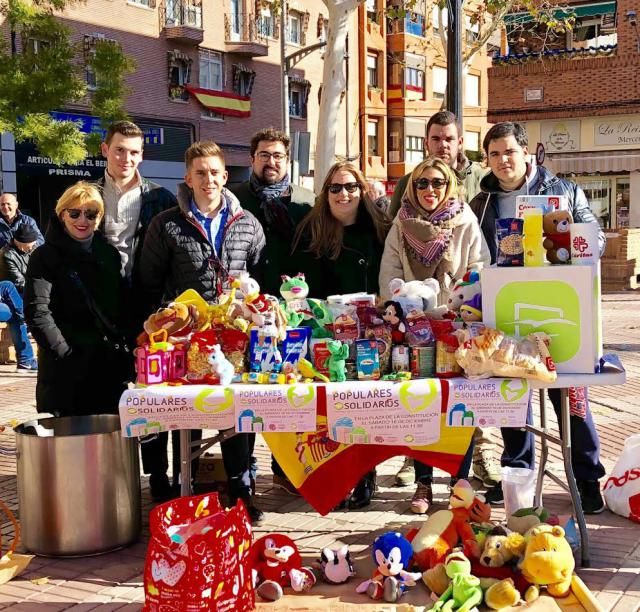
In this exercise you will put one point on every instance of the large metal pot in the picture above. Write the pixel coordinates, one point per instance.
(78, 485)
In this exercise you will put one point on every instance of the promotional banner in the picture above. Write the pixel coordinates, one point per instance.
(384, 412)
(491, 402)
(162, 408)
(275, 408)
(324, 471)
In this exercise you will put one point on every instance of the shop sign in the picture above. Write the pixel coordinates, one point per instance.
(615, 133)
(560, 136)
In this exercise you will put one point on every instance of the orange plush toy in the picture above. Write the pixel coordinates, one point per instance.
(445, 529)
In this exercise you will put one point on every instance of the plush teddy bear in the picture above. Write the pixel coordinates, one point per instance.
(410, 292)
(501, 548)
(276, 563)
(177, 319)
(557, 239)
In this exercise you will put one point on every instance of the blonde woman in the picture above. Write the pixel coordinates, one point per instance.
(75, 306)
(434, 235)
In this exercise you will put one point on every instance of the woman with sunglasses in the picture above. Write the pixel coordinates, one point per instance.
(338, 246)
(75, 306)
(434, 235)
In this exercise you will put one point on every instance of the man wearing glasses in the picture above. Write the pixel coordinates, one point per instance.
(277, 204)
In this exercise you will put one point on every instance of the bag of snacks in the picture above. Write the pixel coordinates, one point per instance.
(509, 242)
(419, 330)
(446, 345)
(200, 349)
(234, 345)
(381, 333)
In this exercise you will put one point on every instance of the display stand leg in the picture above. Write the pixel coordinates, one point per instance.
(571, 481)
(185, 462)
(544, 449)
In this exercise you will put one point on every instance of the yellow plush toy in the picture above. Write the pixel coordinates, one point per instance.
(501, 547)
(548, 561)
(501, 595)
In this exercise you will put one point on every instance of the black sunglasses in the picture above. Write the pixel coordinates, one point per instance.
(350, 187)
(89, 215)
(425, 183)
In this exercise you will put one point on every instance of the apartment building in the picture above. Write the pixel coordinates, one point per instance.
(579, 96)
(206, 69)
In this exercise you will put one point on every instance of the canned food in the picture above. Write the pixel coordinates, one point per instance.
(423, 363)
(400, 358)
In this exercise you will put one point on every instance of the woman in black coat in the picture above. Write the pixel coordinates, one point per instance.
(339, 247)
(75, 308)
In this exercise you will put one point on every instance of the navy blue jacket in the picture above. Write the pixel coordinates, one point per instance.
(8, 229)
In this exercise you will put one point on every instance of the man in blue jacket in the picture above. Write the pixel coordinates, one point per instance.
(11, 218)
(506, 148)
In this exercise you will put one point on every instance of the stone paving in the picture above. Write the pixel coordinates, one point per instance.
(114, 581)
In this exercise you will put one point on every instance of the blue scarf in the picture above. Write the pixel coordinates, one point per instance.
(274, 204)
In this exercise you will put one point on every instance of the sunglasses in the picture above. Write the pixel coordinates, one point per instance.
(424, 183)
(89, 215)
(338, 187)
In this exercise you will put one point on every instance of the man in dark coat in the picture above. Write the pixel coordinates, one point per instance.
(12, 218)
(275, 202)
(14, 256)
(201, 244)
(506, 147)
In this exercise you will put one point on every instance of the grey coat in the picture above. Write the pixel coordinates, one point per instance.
(177, 255)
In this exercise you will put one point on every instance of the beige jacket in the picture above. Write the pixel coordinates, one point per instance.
(467, 250)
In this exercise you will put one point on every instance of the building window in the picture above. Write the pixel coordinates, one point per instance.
(211, 70)
(414, 149)
(623, 190)
(209, 114)
(322, 28)
(243, 79)
(372, 14)
(267, 24)
(439, 75)
(372, 137)
(294, 28)
(472, 141)
(414, 79)
(414, 24)
(395, 140)
(598, 192)
(89, 46)
(472, 90)
(183, 13)
(179, 75)
(439, 19)
(395, 72)
(372, 70)
(298, 96)
(472, 30)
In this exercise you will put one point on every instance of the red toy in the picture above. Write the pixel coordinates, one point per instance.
(276, 563)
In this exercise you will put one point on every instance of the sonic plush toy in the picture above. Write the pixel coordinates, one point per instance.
(391, 555)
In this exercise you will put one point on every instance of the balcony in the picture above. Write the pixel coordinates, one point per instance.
(376, 97)
(248, 34)
(181, 21)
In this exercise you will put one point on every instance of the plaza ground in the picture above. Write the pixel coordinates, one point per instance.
(114, 581)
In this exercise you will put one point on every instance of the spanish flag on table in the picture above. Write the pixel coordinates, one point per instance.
(324, 471)
(222, 102)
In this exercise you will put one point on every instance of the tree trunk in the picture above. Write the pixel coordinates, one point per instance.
(333, 84)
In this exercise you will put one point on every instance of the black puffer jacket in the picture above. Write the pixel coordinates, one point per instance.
(177, 255)
(78, 370)
(13, 265)
(485, 204)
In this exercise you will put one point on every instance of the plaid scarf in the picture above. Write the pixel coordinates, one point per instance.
(274, 205)
(426, 236)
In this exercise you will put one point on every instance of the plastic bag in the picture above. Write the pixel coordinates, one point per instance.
(622, 489)
(198, 557)
(518, 487)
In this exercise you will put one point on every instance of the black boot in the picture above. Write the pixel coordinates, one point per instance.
(363, 492)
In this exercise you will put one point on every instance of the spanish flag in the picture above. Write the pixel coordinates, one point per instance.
(222, 102)
(324, 471)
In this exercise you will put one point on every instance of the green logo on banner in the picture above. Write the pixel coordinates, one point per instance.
(210, 401)
(513, 389)
(419, 395)
(553, 307)
(300, 395)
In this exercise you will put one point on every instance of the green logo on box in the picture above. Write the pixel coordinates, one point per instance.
(553, 307)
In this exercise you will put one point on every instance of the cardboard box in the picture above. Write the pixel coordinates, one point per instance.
(562, 301)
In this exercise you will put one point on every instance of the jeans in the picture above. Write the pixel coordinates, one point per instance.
(12, 313)
(424, 472)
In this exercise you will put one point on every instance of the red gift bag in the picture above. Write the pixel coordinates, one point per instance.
(198, 557)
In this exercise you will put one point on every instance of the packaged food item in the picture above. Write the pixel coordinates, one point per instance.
(345, 322)
(382, 334)
(419, 331)
(264, 354)
(400, 358)
(532, 242)
(509, 242)
(423, 361)
(367, 361)
(200, 349)
(446, 345)
(234, 345)
(543, 203)
(320, 356)
(295, 345)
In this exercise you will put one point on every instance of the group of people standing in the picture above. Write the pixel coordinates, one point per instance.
(116, 250)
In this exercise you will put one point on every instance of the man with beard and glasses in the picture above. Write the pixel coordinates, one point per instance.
(279, 206)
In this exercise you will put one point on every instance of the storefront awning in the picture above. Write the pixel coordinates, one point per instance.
(586, 10)
(221, 101)
(595, 161)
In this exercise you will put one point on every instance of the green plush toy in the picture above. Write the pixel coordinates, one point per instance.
(336, 362)
(464, 592)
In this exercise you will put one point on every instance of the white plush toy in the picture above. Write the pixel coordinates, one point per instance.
(221, 366)
(464, 290)
(427, 290)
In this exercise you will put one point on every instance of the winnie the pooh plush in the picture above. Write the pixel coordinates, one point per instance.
(548, 561)
(557, 239)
